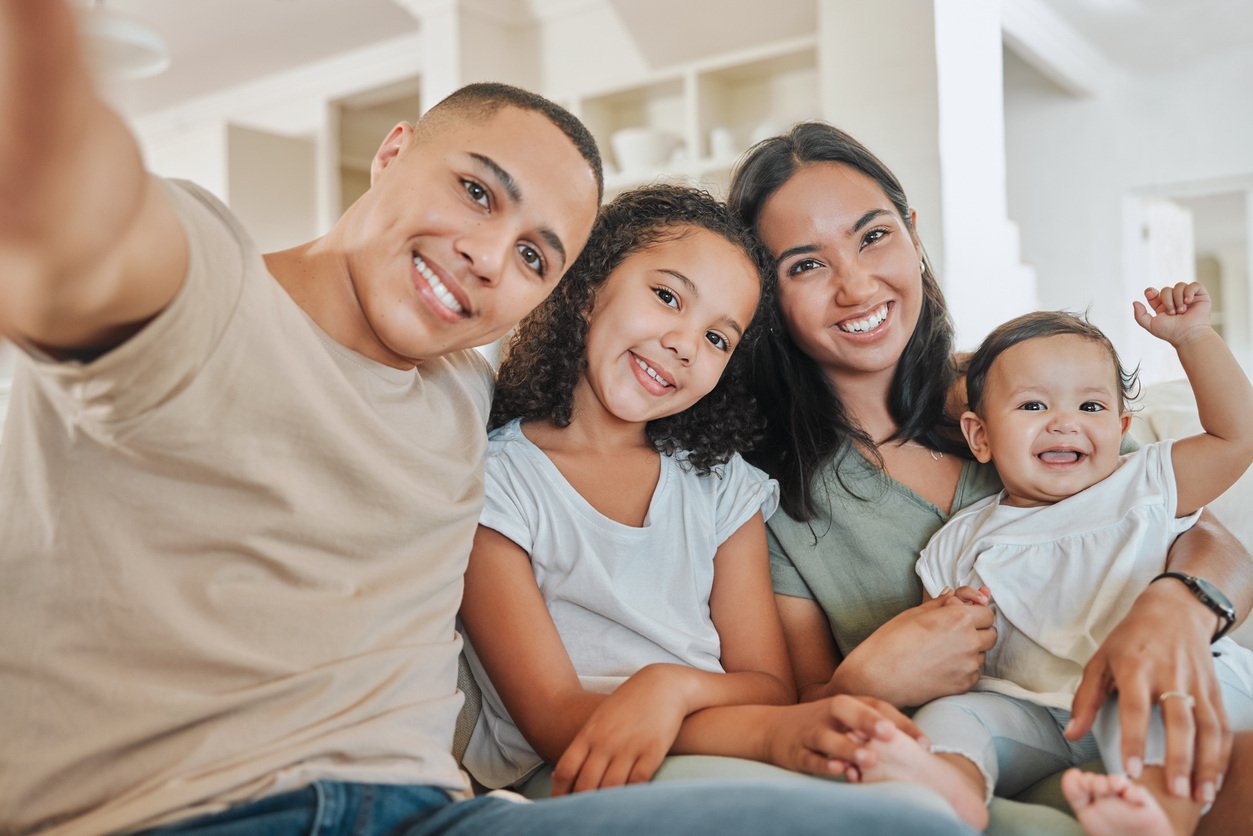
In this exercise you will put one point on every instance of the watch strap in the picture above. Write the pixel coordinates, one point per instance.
(1220, 606)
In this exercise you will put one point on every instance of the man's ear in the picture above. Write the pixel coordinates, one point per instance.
(976, 436)
(397, 139)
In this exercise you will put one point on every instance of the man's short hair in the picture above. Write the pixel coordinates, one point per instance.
(483, 99)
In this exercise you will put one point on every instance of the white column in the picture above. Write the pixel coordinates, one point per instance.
(920, 83)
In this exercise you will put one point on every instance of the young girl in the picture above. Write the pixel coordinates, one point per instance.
(618, 590)
(1076, 534)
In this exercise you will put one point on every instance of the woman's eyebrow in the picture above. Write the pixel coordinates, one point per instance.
(866, 218)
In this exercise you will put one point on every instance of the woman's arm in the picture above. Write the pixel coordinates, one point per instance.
(927, 651)
(1162, 645)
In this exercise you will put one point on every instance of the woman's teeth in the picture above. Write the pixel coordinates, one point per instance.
(437, 287)
(860, 326)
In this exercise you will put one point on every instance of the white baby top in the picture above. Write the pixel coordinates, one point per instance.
(1062, 576)
(621, 597)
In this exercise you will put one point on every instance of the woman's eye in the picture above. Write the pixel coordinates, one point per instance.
(476, 192)
(719, 341)
(532, 258)
(803, 266)
(1091, 406)
(1032, 406)
(874, 236)
(666, 295)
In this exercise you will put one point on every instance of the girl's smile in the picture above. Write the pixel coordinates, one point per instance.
(664, 325)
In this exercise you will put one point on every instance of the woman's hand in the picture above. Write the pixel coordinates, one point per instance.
(627, 736)
(927, 651)
(826, 737)
(1142, 660)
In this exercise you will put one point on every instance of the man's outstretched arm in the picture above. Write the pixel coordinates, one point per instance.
(90, 247)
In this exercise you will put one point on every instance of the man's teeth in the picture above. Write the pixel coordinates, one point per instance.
(860, 326)
(441, 291)
(650, 372)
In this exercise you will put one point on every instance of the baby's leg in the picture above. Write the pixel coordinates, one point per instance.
(980, 741)
(957, 779)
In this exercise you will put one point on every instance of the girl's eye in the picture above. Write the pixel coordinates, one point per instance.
(477, 193)
(1091, 406)
(803, 266)
(666, 295)
(532, 258)
(873, 237)
(1032, 406)
(719, 341)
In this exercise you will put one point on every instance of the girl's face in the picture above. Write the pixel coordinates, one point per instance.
(850, 283)
(1049, 418)
(663, 326)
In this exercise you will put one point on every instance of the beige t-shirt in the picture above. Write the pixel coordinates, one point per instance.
(231, 554)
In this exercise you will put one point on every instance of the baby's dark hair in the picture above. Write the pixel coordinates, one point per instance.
(545, 358)
(1034, 326)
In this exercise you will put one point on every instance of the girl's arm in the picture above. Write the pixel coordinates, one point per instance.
(606, 740)
(924, 652)
(1209, 463)
(628, 735)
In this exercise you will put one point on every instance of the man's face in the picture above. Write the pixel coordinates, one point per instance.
(467, 226)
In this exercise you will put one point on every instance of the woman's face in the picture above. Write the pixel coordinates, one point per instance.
(850, 283)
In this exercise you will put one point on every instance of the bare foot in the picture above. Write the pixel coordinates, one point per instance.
(902, 758)
(1107, 805)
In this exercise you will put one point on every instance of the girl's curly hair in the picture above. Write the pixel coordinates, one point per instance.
(546, 356)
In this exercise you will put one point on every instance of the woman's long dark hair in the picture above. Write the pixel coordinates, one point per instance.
(546, 355)
(806, 423)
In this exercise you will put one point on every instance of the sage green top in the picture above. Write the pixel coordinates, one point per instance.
(856, 558)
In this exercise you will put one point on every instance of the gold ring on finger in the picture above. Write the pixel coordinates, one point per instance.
(1179, 695)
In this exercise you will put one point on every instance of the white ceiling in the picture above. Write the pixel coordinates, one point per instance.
(218, 43)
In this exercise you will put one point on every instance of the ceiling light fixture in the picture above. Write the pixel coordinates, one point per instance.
(122, 46)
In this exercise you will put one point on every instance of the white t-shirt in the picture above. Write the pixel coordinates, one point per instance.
(621, 597)
(1062, 576)
(231, 555)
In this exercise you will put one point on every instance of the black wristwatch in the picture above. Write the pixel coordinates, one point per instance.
(1210, 596)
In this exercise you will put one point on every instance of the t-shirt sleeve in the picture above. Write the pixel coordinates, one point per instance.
(931, 568)
(742, 490)
(506, 500)
(783, 573)
(1162, 469)
(163, 359)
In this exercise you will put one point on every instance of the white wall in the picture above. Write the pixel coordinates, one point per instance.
(1075, 166)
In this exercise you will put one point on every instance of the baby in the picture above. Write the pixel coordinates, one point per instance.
(1077, 533)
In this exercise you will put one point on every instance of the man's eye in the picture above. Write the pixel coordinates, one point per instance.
(476, 192)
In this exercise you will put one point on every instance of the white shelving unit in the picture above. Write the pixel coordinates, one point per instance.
(749, 94)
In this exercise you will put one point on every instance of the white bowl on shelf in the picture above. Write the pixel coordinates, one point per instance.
(640, 149)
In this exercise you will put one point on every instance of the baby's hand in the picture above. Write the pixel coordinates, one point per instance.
(1180, 313)
(967, 595)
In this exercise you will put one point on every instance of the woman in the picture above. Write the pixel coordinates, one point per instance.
(854, 379)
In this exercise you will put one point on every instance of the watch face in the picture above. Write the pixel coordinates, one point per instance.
(1214, 595)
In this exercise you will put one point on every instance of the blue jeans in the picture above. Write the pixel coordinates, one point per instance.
(328, 808)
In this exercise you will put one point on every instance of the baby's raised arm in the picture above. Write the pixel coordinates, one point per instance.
(1208, 463)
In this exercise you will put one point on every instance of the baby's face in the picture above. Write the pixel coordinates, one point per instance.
(1050, 419)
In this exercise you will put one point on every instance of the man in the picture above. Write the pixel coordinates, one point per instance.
(239, 491)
